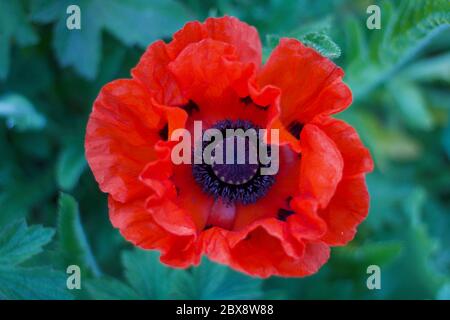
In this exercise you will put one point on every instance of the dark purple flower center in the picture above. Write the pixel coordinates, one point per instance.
(241, 169)
(234, 171)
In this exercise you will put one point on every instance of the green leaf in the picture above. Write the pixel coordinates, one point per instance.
(432, 69)
(69, 167)
(144, 272)
(33, 283)
(134, 22)
(110, 289)
(418, 278)
(379, 253)
(214, 281)
(14, 25)
(20, 113)
(14, 205)
(356, 47)
(148, 278)
(446, 140)
(405, 30)
(73, 243)
(322, 43)
(412, 25)
(411, 104)
(4, 56)
(45, 11)
(444, 292)
(143, 21)
(80, 49)
(385, 142)
(18, 242)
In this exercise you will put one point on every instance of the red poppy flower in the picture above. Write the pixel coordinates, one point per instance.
(280, 225)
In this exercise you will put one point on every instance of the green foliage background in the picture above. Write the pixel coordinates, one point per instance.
(49, 77)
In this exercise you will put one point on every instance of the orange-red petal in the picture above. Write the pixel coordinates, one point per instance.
(310, 83)
(120, 135)
(137, 225)
(356, 156)
(152, 73)
(285, 186)
(346, 210)
(321, 167)
(226, 29)
(264, 249)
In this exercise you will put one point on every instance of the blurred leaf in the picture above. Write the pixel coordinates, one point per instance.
(143, 21)
(444, 292)
(405, 30)
(18, 242)
(45, 11)
(14, 25)
(132, 22)
(411, 104)
(147, 278)
(446, 140)
(73, 244)
(214, 281)
(110, 289)
(13, 203)
(4, 56)
(379, 253)
(412, 25)
(356, 46)
(418, 278)
(385, 142)
(71, 164)
(80, 49)
(392, 187)
(32, 283)
(432, 69)
(144, 272)
(20, 113)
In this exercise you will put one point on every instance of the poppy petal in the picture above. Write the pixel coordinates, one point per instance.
(206, 69)
(321, 165)
(177, 202)
(305, 223)
(138, 226)
(347, 209)
(120, 135)
(210, 74)
(286, 185)
(265, 249)
(152, 73)
(356, 156)
(226, 29)
(310, 83)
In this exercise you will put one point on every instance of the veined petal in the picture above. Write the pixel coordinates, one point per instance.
(226, 29)
(347, 209)
(322, 165)
(356, 156)
(120, 135)
(310, 83)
